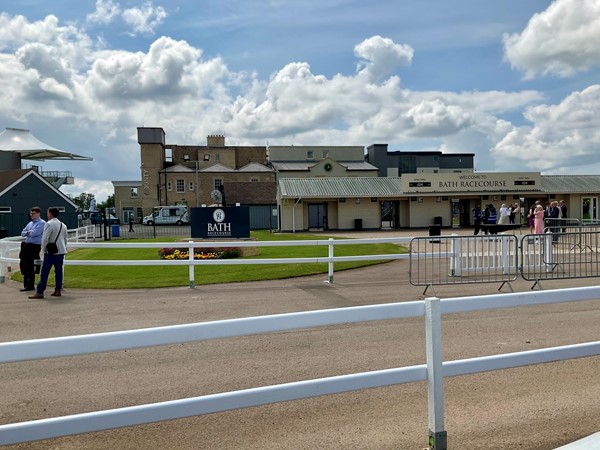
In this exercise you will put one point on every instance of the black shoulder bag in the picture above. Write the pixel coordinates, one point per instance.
(51, 247)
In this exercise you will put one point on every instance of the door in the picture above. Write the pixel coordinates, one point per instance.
(589, 209)
(317, 216)
(455, 213)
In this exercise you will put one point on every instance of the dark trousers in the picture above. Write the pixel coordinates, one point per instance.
(477, 226)
(29, 253)
(50, 261)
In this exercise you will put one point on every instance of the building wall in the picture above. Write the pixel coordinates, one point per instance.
(301, 153)
(156, 155)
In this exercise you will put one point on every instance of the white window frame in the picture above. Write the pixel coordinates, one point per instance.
(169, 186)
(191, 186)
(180, 185)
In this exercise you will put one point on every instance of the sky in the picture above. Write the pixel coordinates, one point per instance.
(515, 82)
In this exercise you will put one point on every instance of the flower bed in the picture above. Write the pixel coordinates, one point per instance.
(200, 253)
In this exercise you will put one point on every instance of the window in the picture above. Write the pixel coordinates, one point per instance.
(206, 157)
(217, 157)
(310, 154)
(134, 192)
(191, 185)
(169, 186)
(254, 180)
(180, 186)
(168, 155)
(5, 209)
(218, 183)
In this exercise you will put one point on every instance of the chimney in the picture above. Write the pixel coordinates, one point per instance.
(215, 140)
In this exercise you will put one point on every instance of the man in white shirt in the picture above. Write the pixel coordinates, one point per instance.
(55, 232)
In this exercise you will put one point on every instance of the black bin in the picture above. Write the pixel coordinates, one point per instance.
(358, 224)
(437, 220)
(435, 230)
(3, 233)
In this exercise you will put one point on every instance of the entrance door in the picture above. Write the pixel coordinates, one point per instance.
(589, 209)
(455, 213)
(317, 216)
(389, 214)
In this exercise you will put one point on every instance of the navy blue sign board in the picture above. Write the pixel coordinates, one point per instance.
(220, 222)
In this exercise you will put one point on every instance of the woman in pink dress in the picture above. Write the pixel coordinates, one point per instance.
(539, 219)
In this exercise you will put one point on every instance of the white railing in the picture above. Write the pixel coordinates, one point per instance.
(433, 371)
(5, 248)
(10, 247)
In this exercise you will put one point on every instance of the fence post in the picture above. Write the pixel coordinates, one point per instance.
(438, 439)
(456, 258)
(191, 260)
(548, 252)
(330, 264)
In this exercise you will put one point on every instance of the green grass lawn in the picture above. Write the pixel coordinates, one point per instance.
(128, 277)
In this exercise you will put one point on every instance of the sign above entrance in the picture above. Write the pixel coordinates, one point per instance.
(471, 182)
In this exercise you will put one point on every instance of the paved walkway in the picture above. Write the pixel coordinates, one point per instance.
(538, 407)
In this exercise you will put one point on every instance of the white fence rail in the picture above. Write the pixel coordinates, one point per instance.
(9, 252)
(433, 371)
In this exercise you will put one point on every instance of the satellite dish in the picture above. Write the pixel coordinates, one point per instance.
(216, 196)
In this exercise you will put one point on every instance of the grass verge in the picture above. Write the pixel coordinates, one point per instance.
(131, 277)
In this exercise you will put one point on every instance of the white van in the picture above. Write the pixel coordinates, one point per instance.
(168, 215)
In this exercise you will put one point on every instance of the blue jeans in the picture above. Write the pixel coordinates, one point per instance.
(50, 261)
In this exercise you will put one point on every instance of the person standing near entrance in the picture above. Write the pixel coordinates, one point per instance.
(55, 235)
(539, 219)
(476, 213)
(30, 248)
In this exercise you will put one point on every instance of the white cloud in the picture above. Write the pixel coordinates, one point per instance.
(561, 40)
(563, 136)
(143, 19)
(106, 11)
(380, 56)
(146, 18)
(92, 99)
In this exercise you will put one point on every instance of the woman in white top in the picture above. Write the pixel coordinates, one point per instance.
(504, 215)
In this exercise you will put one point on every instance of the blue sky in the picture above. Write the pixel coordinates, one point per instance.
(515, 82)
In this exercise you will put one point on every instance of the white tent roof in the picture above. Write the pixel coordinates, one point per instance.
(25, 143)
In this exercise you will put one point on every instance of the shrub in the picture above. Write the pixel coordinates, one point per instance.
(200, 253)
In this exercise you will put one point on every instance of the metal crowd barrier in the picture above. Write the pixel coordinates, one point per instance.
(447, 260)
(444, 260)
(557, 255)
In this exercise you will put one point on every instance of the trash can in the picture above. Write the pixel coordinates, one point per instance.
(435, 230)
(3, 233)
(115, 230)
(358, 224)
(437, 220)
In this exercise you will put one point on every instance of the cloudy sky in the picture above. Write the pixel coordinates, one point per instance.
(515, 82)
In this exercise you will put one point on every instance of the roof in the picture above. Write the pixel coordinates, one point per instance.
(29, 147)
(340, 187)
(218, 167)
(306, 165)
(177, 168)
(565, 184)
(126, 183)
(255, 167)
(11, 178)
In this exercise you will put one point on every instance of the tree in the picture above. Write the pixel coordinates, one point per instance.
(83, 201)
(108, 203)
